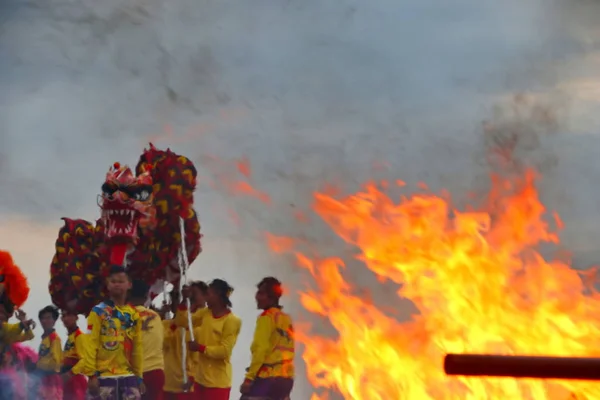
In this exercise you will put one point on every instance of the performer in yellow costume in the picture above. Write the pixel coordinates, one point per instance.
(152, 340)
(74, 353)
(271, 372)
(175, 388)
(214, 342)
(115, 364)
(49, 357)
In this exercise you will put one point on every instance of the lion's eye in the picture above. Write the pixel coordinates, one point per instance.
(145, 195)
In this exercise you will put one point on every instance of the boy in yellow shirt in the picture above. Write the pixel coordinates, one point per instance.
(175, 388)
(115, 362)
(74, 353)
(214, 342)
(49, 357)
(196, 292)
(271, 372)
(152, 342)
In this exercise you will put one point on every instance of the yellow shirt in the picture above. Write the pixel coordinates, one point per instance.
(273, 347)
(115, 341)
(50, 353)
(152, 339)
(173, 354)
(14, 333)
(181, 316)
(74, 352)
(217, 337)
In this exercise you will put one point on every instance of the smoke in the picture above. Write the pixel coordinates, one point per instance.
(311, 92)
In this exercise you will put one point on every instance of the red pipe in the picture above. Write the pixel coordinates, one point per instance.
(523, 366)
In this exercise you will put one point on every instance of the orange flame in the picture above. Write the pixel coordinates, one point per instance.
(245, 188)
(478, 281)
(236, 181)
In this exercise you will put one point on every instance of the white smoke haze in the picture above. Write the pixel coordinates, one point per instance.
(310, 92)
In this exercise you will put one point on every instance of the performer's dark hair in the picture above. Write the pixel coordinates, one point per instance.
(272, 286)
(200, 285)
(9, 307)
(69, 311)
(118, 269)
(139, 289)
(223, 289)
(49, 310)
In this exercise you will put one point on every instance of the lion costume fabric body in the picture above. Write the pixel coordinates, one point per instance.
(139, 228)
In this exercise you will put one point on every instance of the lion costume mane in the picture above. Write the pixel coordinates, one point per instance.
(14, 288)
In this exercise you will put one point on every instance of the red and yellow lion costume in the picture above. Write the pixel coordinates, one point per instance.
(14, 288)
(139, 228)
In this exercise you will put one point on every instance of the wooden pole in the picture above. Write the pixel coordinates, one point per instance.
(523, 366)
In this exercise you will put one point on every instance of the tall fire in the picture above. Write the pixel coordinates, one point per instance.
(478, 281)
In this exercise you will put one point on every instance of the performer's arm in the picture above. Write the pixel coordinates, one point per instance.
(26, 335)
(260, 345)
(93, 344)
(181, 316)
(138, 351)
(20, 332)
(231, 330)
(81, 347)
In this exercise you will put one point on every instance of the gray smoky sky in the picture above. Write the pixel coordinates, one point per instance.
(310, 92)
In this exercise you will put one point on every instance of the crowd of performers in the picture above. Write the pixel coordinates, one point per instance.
(135, 352)
(147, 237)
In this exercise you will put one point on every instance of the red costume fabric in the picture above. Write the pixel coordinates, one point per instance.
(206, 393)
(50, 387)
(154, 381)
(75, 388)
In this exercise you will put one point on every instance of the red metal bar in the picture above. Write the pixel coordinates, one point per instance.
(523, 366)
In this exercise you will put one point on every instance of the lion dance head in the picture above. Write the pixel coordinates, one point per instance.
(127, 204)
(14, 288)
